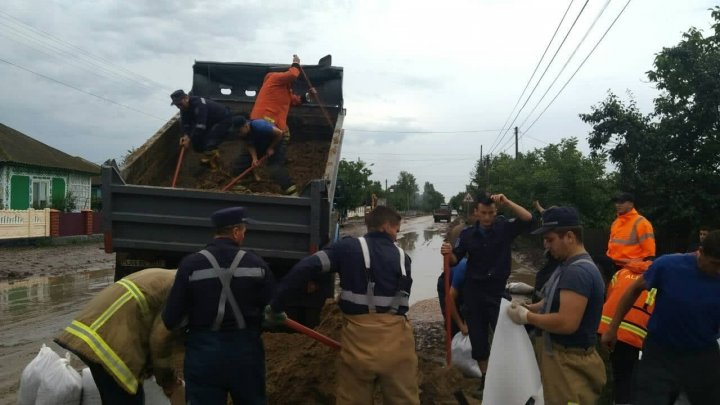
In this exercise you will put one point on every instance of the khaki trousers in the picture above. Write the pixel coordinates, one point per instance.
(570, 375)
(377, 348)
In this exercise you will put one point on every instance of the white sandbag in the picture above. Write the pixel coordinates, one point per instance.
(90, 392)
(30, 380)
(519, 288)
(60, 384)
(513, 374)
(154, 394)
(682, 399)
(462, 356)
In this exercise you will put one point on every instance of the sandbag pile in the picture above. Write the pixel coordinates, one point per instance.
(50, 380)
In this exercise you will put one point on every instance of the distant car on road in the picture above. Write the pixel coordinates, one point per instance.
(442, 213)
(454, 213)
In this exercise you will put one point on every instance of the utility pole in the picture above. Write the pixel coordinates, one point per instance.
(481, 153)
(516, 142)
(386, 186)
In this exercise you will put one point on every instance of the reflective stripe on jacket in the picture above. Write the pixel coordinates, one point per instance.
(633, 327)
(117, 327)
(631, 241)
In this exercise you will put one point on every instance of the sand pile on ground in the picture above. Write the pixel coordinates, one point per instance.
(302, 371)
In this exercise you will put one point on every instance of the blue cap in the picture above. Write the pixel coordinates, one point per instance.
(557, 217)
(176, 96)
(229, 217)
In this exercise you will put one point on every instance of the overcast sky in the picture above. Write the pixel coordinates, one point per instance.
(455, 66)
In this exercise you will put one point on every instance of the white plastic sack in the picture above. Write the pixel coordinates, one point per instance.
(154, 394)
(30, 380)
(461, 350)
(513, 374)
(520, 288)
(60, 384)
(90, 392)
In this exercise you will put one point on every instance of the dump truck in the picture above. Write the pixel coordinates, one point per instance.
(149, 223)
(442, 213)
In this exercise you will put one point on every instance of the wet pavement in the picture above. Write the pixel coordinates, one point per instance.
(421, 239)
(32, 311)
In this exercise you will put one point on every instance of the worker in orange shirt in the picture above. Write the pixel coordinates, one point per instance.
(276, 96)
(632, 241)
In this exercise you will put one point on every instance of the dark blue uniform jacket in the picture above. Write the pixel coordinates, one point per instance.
(198, 300)
(345, 257)
(488, 251)
(202, 115)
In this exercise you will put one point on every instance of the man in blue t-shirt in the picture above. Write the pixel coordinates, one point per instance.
(680, 352)
(569, 313)
(263, 138)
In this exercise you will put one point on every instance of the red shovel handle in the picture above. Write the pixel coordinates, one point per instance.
(179, 164)
(241, 175)
(313, 334)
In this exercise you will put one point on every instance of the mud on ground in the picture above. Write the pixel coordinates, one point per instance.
(302, 371)
(26, 261)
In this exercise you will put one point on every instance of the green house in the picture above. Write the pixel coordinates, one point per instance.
(35, 175)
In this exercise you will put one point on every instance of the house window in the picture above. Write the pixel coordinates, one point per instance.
(40, 193)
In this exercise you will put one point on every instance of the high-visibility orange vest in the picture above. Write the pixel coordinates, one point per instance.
(633, 327)
(631, 241)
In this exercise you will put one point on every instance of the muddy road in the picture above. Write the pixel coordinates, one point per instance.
(44, 287)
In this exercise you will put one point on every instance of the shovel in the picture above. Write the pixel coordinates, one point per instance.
(298, 327)
(241, 175)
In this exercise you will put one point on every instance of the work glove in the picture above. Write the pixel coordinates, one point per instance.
(518, 313)
(272, 319)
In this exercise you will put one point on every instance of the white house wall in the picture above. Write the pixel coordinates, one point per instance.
(79, 184)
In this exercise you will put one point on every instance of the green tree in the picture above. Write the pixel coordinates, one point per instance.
(404, 192)
(557, 174)
(430, 198)
(355, 177)
(670, 158)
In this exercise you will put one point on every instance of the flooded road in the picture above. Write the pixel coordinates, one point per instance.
(32, 311)
(421, 239)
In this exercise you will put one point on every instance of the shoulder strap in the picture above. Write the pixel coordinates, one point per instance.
(365, 252)
(226, 294)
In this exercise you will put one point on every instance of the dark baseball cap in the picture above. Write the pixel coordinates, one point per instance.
(557, 217)
(229, 217)
(176, 96)
(622, 197)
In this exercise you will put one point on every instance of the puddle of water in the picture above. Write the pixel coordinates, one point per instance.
(41, 306)
(427, 262)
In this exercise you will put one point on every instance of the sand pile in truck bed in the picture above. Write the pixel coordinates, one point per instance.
(302, 371)
(305, 161)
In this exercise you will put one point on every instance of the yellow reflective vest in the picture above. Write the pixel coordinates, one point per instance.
(121, 328)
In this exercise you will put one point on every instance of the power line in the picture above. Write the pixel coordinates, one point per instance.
(81, 90)
(578, 68)
(542, 75)
(126, 73)
(527, 84)
(572, 55)
(469, 131)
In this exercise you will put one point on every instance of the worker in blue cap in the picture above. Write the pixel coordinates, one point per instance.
(222, 291)
(205, 124)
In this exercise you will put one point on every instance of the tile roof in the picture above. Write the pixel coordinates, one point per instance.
(16, 147)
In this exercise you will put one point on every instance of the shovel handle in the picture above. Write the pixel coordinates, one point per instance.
(241, 175)
(312, 334)
(317, 98)
(179, 164)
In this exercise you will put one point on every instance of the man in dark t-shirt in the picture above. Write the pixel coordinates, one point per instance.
(570, 368)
